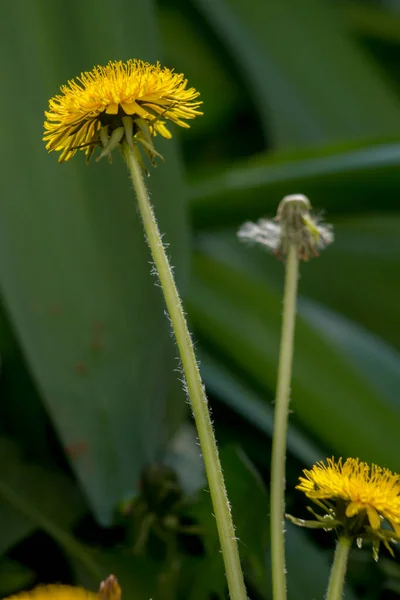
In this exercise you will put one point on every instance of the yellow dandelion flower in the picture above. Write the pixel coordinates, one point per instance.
(363, 500)
(94, 109)
(109, 590)
(371, 490)
(55, 592)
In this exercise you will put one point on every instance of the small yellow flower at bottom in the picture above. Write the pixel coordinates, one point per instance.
(360, 500)
(109, 590)
(55, 592)
(130, 100)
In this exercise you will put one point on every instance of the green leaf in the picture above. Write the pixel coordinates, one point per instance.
(34, 498)
(339, 180)
(74, 265)
(14, 577)
(362, 263)
(374, 359)
(373, 21)
(301, 66)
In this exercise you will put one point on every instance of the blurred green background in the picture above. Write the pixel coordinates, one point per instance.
(99, 466)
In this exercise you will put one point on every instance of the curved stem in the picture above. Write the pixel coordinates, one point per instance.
(338, 571)
(280, 427)
(194, 384)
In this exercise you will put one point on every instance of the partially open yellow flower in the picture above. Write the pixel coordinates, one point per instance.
(109, 590)
(373, 490)
(92, 107)
(55, 592)
(362, 500)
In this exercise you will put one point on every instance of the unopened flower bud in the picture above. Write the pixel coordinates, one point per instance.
(109, 589)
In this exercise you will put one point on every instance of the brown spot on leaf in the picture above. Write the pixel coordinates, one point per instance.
(81, 368)
(56, 310)
(97, 337)
(76, 449)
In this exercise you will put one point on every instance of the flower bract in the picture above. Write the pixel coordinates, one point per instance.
(133, 99)
(109, 589)
(364, 500)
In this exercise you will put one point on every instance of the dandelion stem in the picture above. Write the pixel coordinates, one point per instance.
(338, 571)
(195, 387)
(280, 427)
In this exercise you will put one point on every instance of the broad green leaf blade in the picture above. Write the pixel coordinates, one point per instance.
(363, 265)
(240, 313)
(301, 66)
(342, 180)
(74, 266)
(377, 361)
(373, 21)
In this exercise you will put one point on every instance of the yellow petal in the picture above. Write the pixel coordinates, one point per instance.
(373, 517)
(112, 109)
(353, 509)
(131, 108)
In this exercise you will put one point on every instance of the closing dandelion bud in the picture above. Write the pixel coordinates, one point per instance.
(359, 501)
(293, 225)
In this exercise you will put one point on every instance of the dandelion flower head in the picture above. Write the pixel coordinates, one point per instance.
(91, 107)
(55, 592)
(361, 497)
(109, 590)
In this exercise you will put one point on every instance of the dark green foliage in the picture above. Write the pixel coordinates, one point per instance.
(299, 96)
